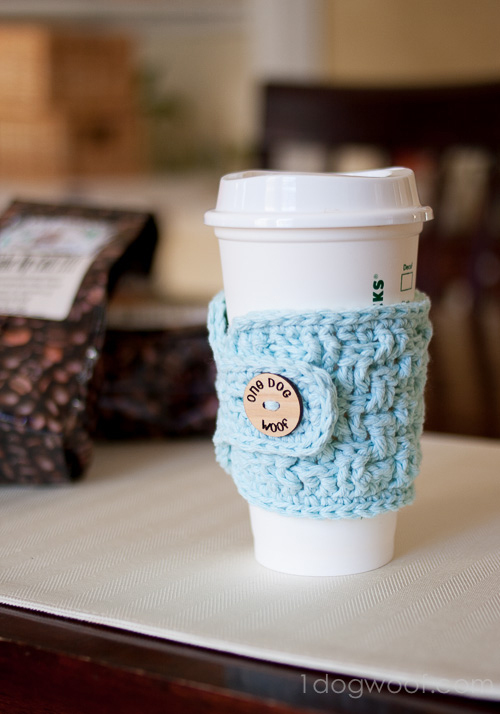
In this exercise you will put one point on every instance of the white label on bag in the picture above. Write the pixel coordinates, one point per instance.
(43, 260)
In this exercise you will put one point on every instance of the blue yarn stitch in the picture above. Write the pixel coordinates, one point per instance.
(361, 375)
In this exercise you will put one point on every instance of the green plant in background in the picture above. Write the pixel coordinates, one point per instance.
(168, 119)
(171, 134)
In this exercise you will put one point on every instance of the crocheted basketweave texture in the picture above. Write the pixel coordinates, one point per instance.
(361, 376)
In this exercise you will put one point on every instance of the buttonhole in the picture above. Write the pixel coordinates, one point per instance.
(272, 406)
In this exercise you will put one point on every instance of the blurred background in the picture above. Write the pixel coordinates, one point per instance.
(156, 95)
(145, 103)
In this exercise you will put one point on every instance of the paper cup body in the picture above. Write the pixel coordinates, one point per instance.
(312, 242)
(319, 268)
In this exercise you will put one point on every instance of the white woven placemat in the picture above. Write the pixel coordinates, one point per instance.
(156, 540)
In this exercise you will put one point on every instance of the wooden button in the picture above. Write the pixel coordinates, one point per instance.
(273, 404)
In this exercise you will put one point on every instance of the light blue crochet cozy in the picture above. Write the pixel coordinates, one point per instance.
(361, 377)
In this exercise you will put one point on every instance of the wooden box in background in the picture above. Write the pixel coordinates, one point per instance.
(44, 68)
(67, 104)
(102, 143)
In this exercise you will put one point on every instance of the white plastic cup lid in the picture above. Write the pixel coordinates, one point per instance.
(274, 199)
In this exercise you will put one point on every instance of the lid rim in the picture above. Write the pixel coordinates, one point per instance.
(339, 219)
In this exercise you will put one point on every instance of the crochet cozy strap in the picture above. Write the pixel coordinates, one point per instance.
(359, 376)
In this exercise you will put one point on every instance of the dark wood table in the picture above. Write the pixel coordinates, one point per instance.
(59, 666)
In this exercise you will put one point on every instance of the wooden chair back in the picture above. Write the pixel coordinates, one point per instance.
(450, 136)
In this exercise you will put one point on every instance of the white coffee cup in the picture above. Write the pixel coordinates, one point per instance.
(318, 241)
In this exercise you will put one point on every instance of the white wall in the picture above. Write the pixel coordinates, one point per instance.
(287, 39)
(218, 66)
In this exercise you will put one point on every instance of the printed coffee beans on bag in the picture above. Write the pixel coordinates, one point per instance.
(58, 266)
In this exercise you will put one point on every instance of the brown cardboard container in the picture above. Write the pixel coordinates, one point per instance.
(44, 68)
(63, 144)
